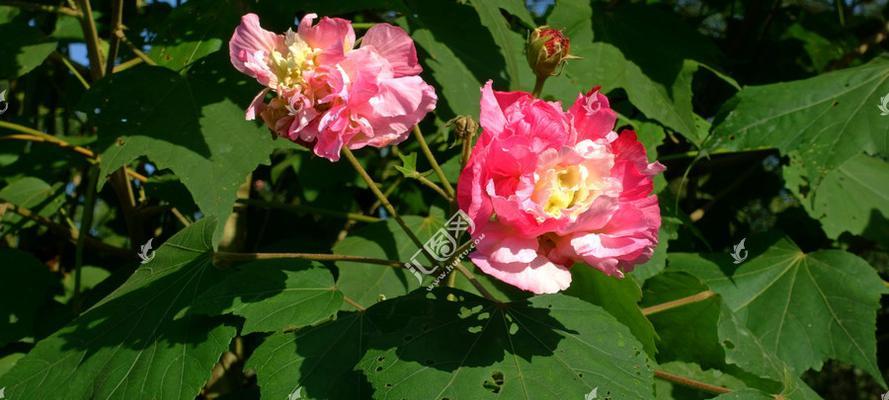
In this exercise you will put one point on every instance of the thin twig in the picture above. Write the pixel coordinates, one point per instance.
(685, 381)
(73, 70)
(33, 138)
(86, 223)
(418, 135)
(407, 230)
(116, 26)
(91, 36)
(382, 197)
(135, 49)
(225, 258)
(128, 64)
(678, 302)
(72, 235)
(302, 209)
(426, 182)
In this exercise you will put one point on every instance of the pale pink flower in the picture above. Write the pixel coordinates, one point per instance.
(547, 188)
(328, 94)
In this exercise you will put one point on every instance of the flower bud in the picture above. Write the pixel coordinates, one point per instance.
(464, 126)
(547, 51)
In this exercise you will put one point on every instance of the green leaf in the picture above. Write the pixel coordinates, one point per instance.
(620, 297)
(819, 122)
(575, 18)
(803, 308)
(686, 333)
(135, 343)
(433, 348)
(511, 44)
(425, 346)
(694, 371)
(90, 277)
(273, 295)
(23, 47)
(25, 286)
(603, 64)
(193, 125)
(744, 394)
(745, 350)
(317, 361)
(408, 167)
(368, 283)
(660, 89)
(194, 30)
(459, 60)
(853, 198)
(35, 195)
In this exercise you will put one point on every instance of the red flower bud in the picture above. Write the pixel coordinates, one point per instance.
(547, 50)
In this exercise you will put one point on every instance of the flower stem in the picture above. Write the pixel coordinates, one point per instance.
(225, 258)
(382, 197)
(73, 70)
(432, 162)
(538, 86)
(685, 381)
(116, 26)
(91, 37)
(308, 209)
(678, 302)
(86, 224)
(407, 230)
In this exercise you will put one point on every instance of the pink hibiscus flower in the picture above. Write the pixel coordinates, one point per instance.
(548, 188)
(329, 94)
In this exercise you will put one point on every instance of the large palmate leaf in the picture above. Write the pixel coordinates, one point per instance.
(369, 283)
(135, 343)
(511, 43)
(803, 308)
(666, 99)
(316, 362)
(194, 30)
(23, 46)
(194, 125)
(686, 333)
(474, 348)
(25, 285)
(423, 346)
(273, 294)
(819, 122)
(853, 198)
(459, 60)
(744, 349)
(620, 297)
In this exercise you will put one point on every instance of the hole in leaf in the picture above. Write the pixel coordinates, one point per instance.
(495, 383)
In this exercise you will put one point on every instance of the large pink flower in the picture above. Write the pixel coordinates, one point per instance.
(547, 188)
(328, 94)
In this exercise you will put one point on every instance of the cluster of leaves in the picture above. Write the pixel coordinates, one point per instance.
(766, 116)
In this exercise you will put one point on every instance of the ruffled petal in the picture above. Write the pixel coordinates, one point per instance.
(394, 44)
(333, 36)
(593, 116)
(540, 276)
(250, 47)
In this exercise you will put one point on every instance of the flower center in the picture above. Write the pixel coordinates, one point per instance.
(297, 58)
(567, 189)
